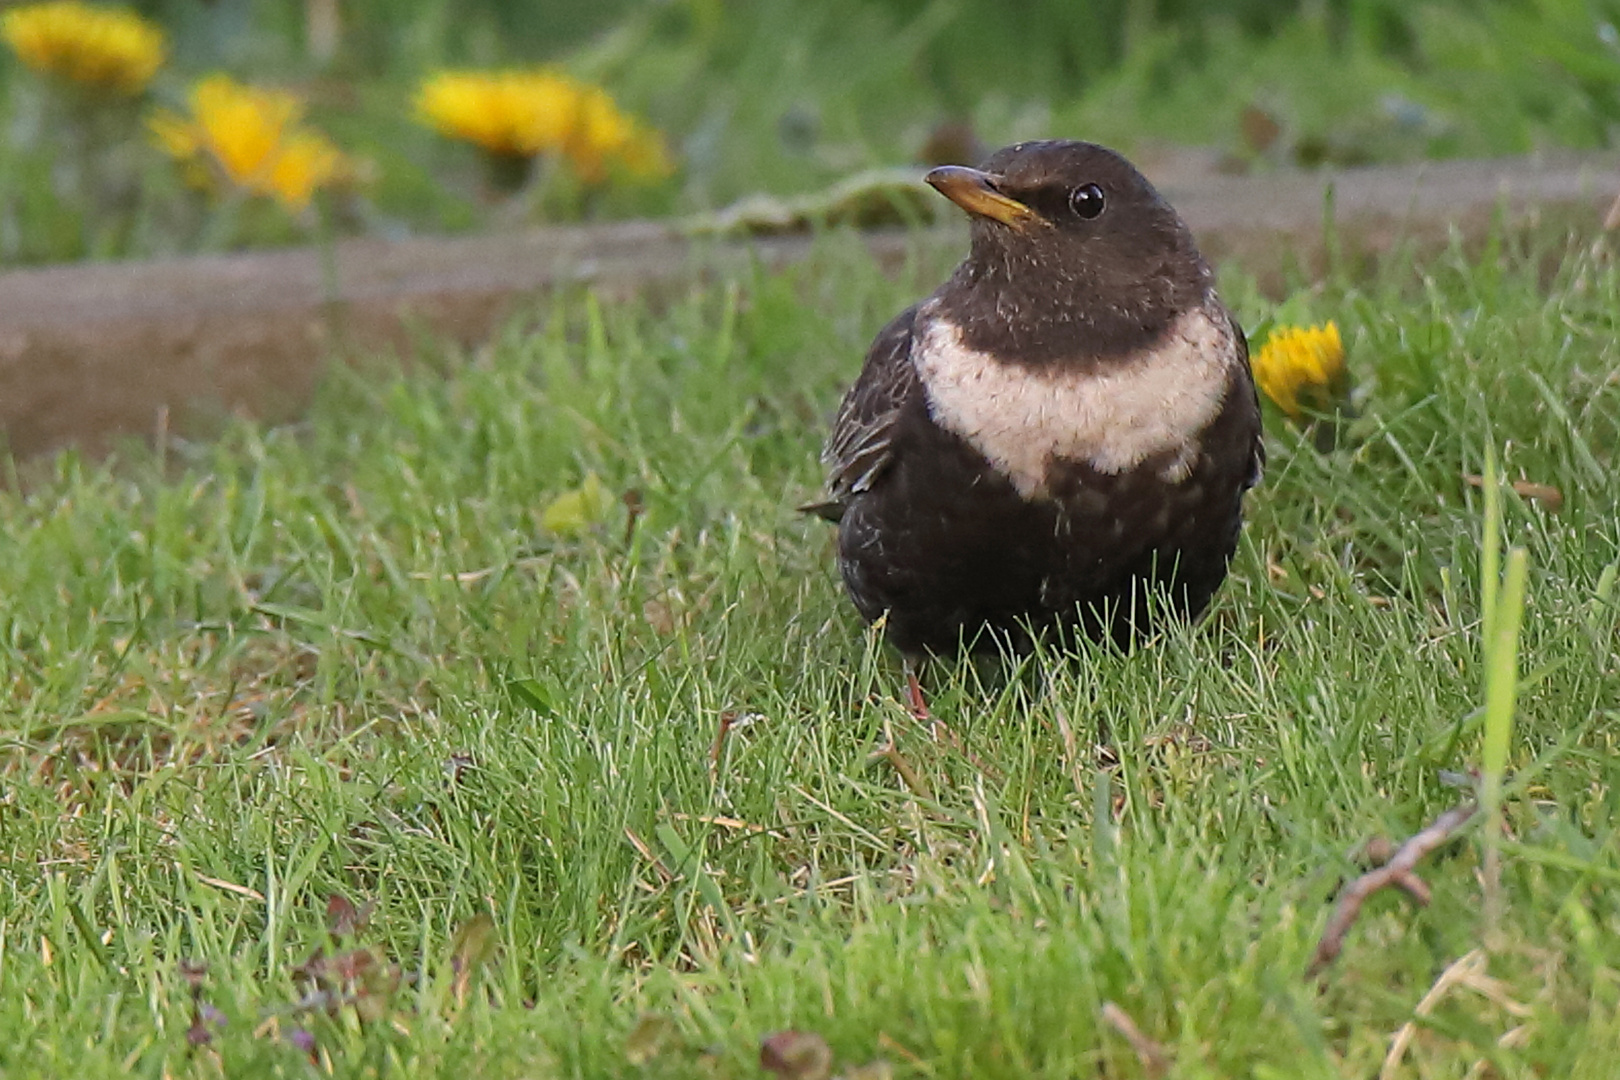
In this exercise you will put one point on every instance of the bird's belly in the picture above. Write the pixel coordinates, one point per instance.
(950, 549)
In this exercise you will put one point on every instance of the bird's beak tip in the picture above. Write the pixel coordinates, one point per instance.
(976, 192)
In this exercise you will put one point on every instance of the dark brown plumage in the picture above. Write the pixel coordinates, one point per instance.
(1065, 426)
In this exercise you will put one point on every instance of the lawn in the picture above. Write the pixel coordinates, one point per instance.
(344, 748)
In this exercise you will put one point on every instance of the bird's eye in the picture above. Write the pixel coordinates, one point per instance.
(1086, 201)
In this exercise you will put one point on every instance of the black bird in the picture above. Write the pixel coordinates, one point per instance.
(1063, 428)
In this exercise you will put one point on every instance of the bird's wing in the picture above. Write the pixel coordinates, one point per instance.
(861, 445)
(1257, 448)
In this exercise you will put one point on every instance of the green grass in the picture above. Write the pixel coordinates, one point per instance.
(241, 677)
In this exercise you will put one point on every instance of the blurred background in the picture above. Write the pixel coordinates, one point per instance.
(253, 123)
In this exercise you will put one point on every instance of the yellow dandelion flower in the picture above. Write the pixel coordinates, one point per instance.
(604, 135)
(105, 48)
(522, 114)
(307, 160)
(251, 137)
(512, 113)
(1301, 368)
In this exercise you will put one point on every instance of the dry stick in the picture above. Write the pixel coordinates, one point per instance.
(1469, 964)
(633, 507)
(1071, 753)
(647, 853)
(891, 753)
(718, 747)
(1154, 1058)
(1467, 971)
(1400, 872)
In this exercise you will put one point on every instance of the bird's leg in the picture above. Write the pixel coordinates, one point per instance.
(938, 729)
(915, 701)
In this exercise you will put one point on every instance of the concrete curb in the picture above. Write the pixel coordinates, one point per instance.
(89, 352)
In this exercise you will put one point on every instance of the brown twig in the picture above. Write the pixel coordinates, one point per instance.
(1547, 495)
(1071, 753)
(1154, 1058)
(717, 748)
(633, 507)
(647, 853)
(1400, 872)
(728, 823)
(891, 753)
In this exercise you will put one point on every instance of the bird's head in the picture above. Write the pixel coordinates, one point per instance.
(1068, 237)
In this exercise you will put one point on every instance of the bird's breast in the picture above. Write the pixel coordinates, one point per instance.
(1113, 418)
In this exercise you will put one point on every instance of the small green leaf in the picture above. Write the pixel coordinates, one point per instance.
(531, 692)
(575, 511)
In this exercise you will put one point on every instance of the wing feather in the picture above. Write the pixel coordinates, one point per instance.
(861, 445)
(1257, 448)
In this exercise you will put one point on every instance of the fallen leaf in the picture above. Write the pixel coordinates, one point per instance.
(343, 919)
(796, 1055)
(649, 1038)
(471, 949)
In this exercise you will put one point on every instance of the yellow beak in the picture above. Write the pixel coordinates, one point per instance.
(975, 192)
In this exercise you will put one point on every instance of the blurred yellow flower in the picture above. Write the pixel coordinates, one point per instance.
(1301, 368)
(521, 114)
(108, 48)
(602, 134)
(252, 138)
(515, 113)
